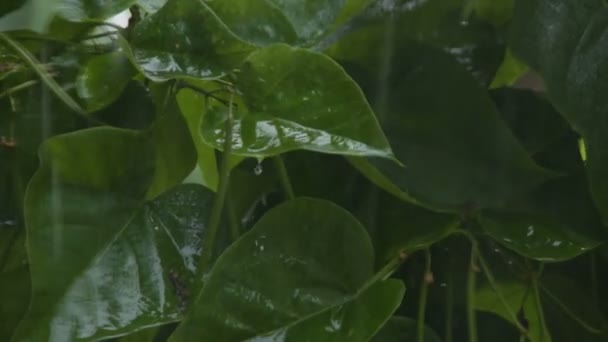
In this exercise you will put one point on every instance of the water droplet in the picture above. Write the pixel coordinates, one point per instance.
(156, 228)
(443, 284)
(258, 169)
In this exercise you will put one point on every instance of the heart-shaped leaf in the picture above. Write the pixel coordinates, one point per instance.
(297, 99)
(185, 40)
(274, 283)
(458, 153)
(103, 261)
(565, 41)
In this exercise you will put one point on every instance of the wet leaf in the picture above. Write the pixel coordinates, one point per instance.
(103, 261)
(192, 106)
(103, 78)
(297, 99)
(261, 22)
(565, 42)
(403, 329)
(36, 15)
(554, 222)
(273, 283)
(458, 153)
(175, 150)
(185, 40)
(374, 40)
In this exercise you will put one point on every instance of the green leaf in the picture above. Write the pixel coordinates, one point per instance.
(175, 150)
(509, 71)
(497, 12)
(520, 299)
(532, 119)
(184, 40)
(264, 22)
(565, 42)
(458, 153)
(104, 262)
(14, 279)
(103, 78)
(274, 282)
(36, 15)
(403, 329)
(405, 227)
(297, 99)
(192, 106)
(376, 37)
(554, 222)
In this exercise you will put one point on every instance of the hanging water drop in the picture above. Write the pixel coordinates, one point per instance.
(258, 169)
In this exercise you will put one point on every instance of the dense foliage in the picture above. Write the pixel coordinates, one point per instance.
(283, 170)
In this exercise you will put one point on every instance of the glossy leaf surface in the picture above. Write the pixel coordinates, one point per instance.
(36, 15)
(262, 22)
(185, 40)
(297, 99)
(103, 79)
(273, 279)
(106, 268)
(565, 42)
(436, 127)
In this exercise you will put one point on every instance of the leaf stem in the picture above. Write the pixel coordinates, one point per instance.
(449, 317)
(283, 177)
(43, 74)
(233, 221)
(427, 279)
(18, 87)
(539, 307)
(384, 273)
(218, 204)
(471, 288)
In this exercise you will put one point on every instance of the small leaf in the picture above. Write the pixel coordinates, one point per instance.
(297, 99)
(274, 282)
(104, 262)
(192, 106)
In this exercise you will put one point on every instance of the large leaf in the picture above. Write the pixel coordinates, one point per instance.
(297, 99)
(36, 15)
(458, 153)
(184, 40)
(556, 221)
(263, 22)
(565, 41)
(274, 283)
(386, 25)
(104, 262)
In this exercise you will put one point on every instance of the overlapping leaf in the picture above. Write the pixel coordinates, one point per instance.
(297, 99)
(565, 42)
(274, 284)
(103, 261)
(458, 153)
